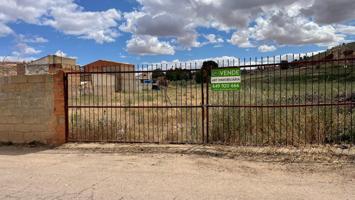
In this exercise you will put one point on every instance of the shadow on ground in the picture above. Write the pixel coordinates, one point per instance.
(16, 150)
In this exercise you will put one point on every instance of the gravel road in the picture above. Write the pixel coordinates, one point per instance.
(37, 173)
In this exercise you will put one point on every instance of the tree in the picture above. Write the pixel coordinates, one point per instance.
(205, 72)
(157, 73)
(178, 74)
(284, 64)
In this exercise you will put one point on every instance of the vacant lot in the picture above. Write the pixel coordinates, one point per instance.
(77, 174)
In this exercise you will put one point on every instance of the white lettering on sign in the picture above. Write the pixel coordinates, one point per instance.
(227, 79)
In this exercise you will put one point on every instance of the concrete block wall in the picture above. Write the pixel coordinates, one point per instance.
(32, 109)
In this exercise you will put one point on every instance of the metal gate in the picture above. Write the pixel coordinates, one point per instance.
(292, 100)
(128, 107)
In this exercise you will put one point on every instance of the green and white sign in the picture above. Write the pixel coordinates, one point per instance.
(227, 79)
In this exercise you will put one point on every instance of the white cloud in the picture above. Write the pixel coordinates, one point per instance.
(241, 39)
(251, 23)
(99, 26)
(267, 48)
(213, 39)
(31, 39)
(5, 30)
(60, 53)
(330, 11)
(345, 29)
(148, 45)
(24, 49)
(65, 16)
(22, 52)
(286, 30)
(285, 22)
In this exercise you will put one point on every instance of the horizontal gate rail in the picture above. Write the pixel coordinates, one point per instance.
(227, 106)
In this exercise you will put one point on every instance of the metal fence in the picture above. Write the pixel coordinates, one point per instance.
(285, 100)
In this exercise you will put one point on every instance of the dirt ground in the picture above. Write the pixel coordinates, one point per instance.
(94, 171)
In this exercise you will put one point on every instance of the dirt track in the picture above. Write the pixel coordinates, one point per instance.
(38, 173)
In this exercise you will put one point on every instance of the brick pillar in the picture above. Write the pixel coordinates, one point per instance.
(20, 68)
(59, 108)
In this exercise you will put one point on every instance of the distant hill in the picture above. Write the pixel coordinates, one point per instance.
(338, 52)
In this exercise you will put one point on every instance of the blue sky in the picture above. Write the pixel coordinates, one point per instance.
(153, 30)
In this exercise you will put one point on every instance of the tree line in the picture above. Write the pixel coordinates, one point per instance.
(180, 74)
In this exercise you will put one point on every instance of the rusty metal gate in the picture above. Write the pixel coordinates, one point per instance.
(286, 100)
(140, 111)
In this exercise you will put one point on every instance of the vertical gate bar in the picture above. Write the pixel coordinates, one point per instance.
(325, 100)
(299, 102)
(312, 109)
(318, 100)
(127, 79)
(274, 102)
(124, 124)
(66, 112)
(262, 68)
(224, 130)
(286, 101)
(305, 101)
(239, 109)
(114, 101)
(293, 99)
(139, 103)
(106, 103)
(256, 100)
(165, 99)
(191, 103)
(244, 109)
(89, 102)
(345, 95)
(352, 101)
(110, 91)
(268, 100)
(202, 104)
(181, 129)
(72, 102)
(338, 90)
(250, 102)
(80, 111)
(148, 109)
(196, 110)
(234, 113)
(151, 109)
(156, 110)
(186, 100)
(77, 132)
(102, 109)
(146, 131)
(207, 106)
(94, 101)
(280, 101)
(125, 103)
(331, 100)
